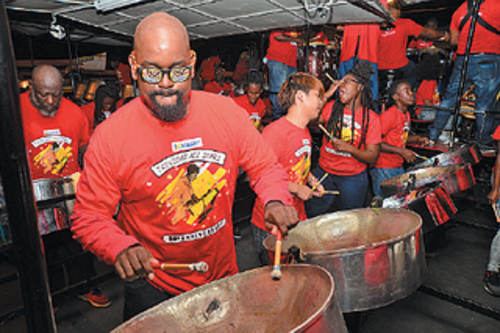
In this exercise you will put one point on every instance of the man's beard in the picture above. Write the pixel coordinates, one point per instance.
(47, 112)
(168, 113)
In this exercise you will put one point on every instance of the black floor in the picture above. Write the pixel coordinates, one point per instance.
(455, 272)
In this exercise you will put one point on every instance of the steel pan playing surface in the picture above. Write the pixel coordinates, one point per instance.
(376, 256)
(249, 302)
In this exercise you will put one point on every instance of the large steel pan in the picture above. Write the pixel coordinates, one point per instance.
(454, 177)
(462, 155)
(53, 188)
(55, 198)
(302, 301)
(375, 255)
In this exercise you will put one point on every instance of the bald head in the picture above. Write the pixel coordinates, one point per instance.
(46, 89)
(160, 29)
(161, 42)
(47, 75)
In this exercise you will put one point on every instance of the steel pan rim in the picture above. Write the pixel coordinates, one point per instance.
(363, 248)
(241, 275)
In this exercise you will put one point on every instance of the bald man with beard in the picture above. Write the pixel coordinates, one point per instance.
(139, 158)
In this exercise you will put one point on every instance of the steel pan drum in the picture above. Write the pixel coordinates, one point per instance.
(55, 198)
(302, 301)
(450, 176)
(375, 255)
(462, 155)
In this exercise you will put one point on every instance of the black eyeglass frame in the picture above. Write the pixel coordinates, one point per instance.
(167, 71)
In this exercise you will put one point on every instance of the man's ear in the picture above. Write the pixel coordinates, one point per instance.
(132, 60)
(192, 62)
(300, 96)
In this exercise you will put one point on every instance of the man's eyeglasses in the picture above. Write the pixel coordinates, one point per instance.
(154, 75)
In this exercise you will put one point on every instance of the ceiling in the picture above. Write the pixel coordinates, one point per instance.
(204, 19)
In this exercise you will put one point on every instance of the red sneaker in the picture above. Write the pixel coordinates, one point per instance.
(96, 298)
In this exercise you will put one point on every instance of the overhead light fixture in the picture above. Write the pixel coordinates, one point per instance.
(107, 5)
(57, 31)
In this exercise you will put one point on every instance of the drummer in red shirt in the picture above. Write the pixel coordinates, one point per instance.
(302, 95)
(55, 130)
(395, 122)
(219, 86)
(392, 46)
(251, 101)
(355, 129)
(170, 158)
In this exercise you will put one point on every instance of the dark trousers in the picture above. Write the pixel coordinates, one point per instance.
(352, 195)
(140, 296)
(63, 253)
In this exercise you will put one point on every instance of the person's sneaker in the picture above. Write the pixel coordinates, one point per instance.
(492, 283)
(96, 298)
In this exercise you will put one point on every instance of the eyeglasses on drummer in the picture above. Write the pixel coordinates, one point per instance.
(153, 74)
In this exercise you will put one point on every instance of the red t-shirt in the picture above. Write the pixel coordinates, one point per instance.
(294, 156)
(392, 43)
(344, 164)
(207, 68)
(88, 110)
(368, 35)
(395, 128)
(428, 89)
(175, 184)
(123, 74)
(420, 44)
(52, 142)
(216, 88)
(496, 134)
(284, 52)
(484, 40)
(255, 112)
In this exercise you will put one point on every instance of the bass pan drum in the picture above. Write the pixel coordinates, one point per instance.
(302, 301)
(375, 255)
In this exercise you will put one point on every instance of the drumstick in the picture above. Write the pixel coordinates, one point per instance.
(422, 157)
(276, 273)
(329, 77)
(326, 132)
(494, 206)
(331, 192)
(320, 181)
(198, 267)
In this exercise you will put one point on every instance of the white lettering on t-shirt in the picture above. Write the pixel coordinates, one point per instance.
(333, 151)
(205, 155)
(53, 138)
(199, 234)
(302, 150)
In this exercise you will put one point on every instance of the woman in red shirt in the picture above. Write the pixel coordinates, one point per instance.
(355, 138)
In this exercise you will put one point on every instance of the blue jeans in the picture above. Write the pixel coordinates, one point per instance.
(278, 73)
(258, 239)
(380, 174)
(352, 192)
(347, 65)
(484, 73)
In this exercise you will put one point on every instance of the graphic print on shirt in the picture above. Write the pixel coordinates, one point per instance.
(299, 171)
(54, 152)
(255, 119)
(195, 180)
(406, 131)
(347, 135)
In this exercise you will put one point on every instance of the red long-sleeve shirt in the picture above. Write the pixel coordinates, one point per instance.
(175, 184)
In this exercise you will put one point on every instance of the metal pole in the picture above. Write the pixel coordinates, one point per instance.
(306, 51)
(463, 74)
(17, 186)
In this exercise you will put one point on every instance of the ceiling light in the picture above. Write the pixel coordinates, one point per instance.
(57, 31)
(107, 5)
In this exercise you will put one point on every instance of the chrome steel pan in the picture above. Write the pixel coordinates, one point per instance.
(302, 301)
(376, 256)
